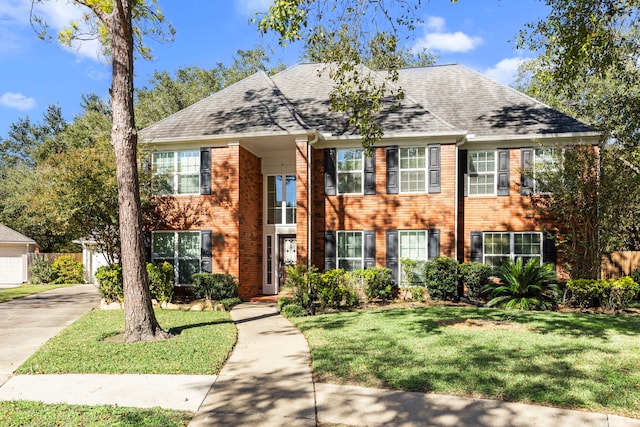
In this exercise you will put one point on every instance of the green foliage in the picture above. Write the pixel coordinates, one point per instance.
(284, 301)
(229, 303)
(417, 294)
(337, 290)
(214, 286)
(301, 280)
(160, 281)
(413, 272)
(109, 279)
(68, 270)
(635, 275)
(293, 310)
(475, 277)
(609, 294)
(377, 282)
(527, 286)
(441, 278)
(42, 272)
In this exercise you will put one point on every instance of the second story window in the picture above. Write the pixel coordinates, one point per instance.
(413, 170)
(177, 172)
(281, 199)
(482, 173)
(349, 168)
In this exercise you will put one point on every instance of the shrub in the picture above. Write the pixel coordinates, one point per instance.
(284, 301)
(68, 270)
(160, 281)
(229, 303)
(376, 281)
(216, 286)
(42, 272)
(610, 294)
(293, 310)
(335, 289)
(475, 277)
(110, 283)
(417, 294)
(301, 281)
(441, 278)
(528, 287)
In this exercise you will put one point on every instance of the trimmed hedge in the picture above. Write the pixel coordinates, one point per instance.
(609, 294)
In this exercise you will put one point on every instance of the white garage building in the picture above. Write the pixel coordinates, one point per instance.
(14, 250)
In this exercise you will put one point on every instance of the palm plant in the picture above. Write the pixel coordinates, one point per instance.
(528, 287)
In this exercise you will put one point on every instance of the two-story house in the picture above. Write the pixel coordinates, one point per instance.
(266, 175)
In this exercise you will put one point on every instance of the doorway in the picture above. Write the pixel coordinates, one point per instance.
(287, 256)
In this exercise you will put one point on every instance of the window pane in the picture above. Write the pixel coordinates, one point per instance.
(188, 161)
(290, 190)
(482, 172)
(527, 244)
(349, 250)
(189, 245)
(412, 181)
(188, 184)
(413, 245)
(186, 268)
(349, 169)
(349, 265)
(350, 182)
(163, 163)
(163, 245)
(349, 160)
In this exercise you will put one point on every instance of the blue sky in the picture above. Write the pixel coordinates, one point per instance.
(33, 73)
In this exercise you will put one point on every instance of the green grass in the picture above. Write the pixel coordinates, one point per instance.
(24, 291)
(202, 343)
(588, 362)
(35, 414)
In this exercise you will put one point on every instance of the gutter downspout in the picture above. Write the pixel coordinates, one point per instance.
(457, 200)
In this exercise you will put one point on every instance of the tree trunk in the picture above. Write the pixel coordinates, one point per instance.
(139, 322)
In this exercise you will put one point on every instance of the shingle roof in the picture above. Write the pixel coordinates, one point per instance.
(471, 101)
(8, 235)
(439, 100)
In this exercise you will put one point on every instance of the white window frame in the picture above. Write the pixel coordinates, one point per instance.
(545, 159)
(175, 173)
(347, 258)
(512, 245)
(176, 258)
(424, 169)
(339, 172)
(487, 173)
(401, 256)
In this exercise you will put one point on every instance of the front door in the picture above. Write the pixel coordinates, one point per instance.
(286, 256)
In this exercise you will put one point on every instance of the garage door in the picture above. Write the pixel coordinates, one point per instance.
(10, 269)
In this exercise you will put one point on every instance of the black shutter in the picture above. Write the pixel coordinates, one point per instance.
(463, 181)
(205, 171)
(329, 250)
(146, 240)
(392, 254)
(476, 246)
(434, 168)
(370, 173)
(205, 251)
(549, 249)
(503, 172)
(433, 237)
(526, 172)
(330, 171)
(392, 170)
(369, 248)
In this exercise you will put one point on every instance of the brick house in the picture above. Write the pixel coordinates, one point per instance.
(262, 174)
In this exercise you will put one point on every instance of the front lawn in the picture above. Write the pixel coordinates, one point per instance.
(24, 291)
(92, 345)
(589, 362)
(35, 414)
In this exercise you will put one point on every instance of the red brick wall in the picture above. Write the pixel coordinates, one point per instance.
(302, 212)
(249, 217)
(382, 211)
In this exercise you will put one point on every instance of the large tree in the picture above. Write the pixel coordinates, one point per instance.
(121, 25)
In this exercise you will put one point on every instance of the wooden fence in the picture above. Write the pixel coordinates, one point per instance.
(618, 264)
(50, 257)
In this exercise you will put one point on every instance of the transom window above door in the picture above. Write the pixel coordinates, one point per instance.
(281, 199)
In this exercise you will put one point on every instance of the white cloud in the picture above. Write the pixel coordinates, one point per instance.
(248, 7)
(17, 101)
(506, 70)
(437, 39)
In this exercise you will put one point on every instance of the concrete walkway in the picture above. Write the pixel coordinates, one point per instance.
(267, 380)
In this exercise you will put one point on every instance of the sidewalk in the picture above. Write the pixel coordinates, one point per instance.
(267, 380)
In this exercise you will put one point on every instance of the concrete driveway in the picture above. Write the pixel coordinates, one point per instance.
(27, 323)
